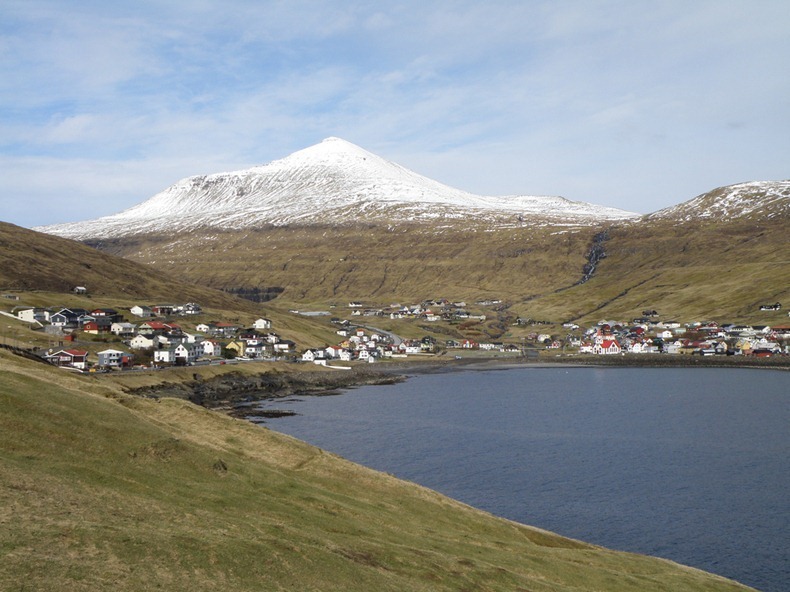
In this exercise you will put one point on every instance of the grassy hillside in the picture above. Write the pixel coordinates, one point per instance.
(31, 260)
(721, 270)
(372, 263)
(103, 491)
(42, 270)
(703, 270)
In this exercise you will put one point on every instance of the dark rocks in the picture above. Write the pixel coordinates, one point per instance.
(231, 389)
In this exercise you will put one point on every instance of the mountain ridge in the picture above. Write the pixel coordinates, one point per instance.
(752, 199)
(717, 255)
(334, 182)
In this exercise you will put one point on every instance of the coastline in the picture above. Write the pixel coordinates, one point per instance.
(586, 361)
(235, 392)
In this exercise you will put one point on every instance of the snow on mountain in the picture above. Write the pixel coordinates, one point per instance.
(765, 199)
(333, 182)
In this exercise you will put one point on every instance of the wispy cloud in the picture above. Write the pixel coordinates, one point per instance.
(620, 103)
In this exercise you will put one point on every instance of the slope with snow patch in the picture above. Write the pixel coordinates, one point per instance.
(333, 182)
(762, 199)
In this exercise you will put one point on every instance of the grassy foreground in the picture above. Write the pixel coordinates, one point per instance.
(103, 491)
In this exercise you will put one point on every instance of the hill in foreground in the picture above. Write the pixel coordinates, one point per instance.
(104, 491)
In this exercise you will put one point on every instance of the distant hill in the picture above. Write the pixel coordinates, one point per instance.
(334, 222)
(758, 200)
(333, 182)
(689, 266)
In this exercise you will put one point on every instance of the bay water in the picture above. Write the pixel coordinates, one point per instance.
(686, 464)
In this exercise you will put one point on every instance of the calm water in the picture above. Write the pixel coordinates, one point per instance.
(686, 464)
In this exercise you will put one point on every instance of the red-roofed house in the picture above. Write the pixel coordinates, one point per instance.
(157, 326)
(607, 347)
(76, 358)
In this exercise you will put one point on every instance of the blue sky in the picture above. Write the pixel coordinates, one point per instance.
(637, 105)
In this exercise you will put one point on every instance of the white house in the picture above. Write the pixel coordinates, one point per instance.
(284, 346)
(190, 308)
(673, 347)
(311, 355)
(254, 349)
(141, 342)
(122, 329)
(183, 353)
(333, 351)
(607, 347)
(763, 343)
(210, 347)
(410, 347)
(337, 353)
(190, 338)
(141, 311)
(262, 324)
(33, 315)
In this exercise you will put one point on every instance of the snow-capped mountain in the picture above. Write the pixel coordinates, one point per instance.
(333, 182)
(763, 199)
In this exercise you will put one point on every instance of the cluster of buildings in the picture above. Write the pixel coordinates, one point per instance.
(154, 336)
(428, 310)
(359, 344)
(671, 337)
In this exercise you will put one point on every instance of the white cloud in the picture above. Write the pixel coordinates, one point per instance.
(612, 101)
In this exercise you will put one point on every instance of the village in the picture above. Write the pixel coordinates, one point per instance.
(154, 336)
(643, 335)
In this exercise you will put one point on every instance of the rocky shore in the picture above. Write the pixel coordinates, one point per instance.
(230, 391)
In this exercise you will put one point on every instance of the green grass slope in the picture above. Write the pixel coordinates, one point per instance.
(102, 491)
(42, 270)
(706, 269)
(372, 262)
(703, 270)
(31, 260)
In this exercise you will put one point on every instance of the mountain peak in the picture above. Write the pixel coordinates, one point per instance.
(337, 141)
(332, 182)
(329, 150)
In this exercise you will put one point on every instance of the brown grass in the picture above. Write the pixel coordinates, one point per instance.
(103, 491)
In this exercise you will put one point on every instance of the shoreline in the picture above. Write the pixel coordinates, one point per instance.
(235, 393)
(587, 361)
